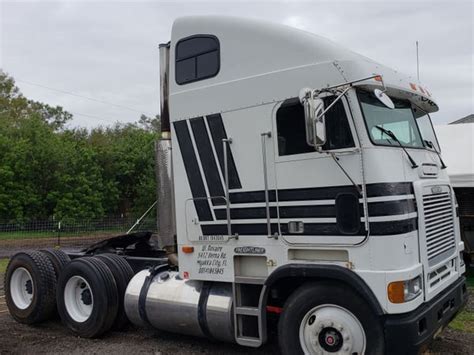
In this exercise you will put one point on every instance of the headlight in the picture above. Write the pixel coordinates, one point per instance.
(404, 291)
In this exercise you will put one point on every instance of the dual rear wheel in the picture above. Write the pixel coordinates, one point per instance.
(87, 292)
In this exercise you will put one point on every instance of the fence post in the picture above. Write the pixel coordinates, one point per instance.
(59, 234)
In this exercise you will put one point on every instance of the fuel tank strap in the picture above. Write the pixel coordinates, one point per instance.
(144, 291)
(202, 309)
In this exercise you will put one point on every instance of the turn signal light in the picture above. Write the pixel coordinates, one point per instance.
(187, 249)
(404, 291)
(396, 292)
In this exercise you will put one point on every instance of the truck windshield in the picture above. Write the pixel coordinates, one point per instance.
(399, 120)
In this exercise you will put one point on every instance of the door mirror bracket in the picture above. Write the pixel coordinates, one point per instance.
(314, 119)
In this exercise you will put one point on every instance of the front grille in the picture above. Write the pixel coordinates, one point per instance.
(439, 226)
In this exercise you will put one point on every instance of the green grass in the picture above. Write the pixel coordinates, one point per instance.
(3, 265)
(45, 234)
(464, 321)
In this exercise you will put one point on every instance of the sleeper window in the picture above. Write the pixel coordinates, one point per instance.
(197, 58)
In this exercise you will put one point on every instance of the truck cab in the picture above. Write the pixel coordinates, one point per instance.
(268, 196)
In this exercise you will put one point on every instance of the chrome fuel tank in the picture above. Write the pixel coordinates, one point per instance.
(181, 306)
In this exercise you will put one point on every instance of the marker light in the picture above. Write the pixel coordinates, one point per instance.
(413, 86)
(187, 249)
(404, 291)
(378, 78)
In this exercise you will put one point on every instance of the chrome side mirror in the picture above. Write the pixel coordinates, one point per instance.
(314, 119)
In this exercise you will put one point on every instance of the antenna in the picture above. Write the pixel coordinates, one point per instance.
(417, 62)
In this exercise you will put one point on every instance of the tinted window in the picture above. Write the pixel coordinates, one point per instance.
(197, 58)
(338, 131)
(347, 213)
(292, 131)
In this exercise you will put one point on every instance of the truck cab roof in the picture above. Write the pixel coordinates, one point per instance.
(257, 56)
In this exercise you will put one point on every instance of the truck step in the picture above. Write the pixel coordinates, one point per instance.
(249, 280)
(247, 311)
(249, 341)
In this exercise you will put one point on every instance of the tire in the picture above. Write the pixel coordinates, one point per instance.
(92, 311)
(318, 317)
(30, 287)
(58, 258)
(123, 273)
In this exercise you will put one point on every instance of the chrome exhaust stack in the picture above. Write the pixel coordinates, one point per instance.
(164, 174)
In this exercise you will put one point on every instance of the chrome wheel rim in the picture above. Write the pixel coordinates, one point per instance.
(331, 329)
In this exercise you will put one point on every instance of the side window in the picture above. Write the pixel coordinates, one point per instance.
(347, 213)
(338, 131)
(291, 128)
(197, 58)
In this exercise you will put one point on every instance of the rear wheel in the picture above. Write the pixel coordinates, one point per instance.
(123, 273)
(324, 318)
(87, 297)
(30, 284)
(58, 258)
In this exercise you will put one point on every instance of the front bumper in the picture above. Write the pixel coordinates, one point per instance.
(407, 333)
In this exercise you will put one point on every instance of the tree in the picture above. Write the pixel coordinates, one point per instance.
(14, 107)
(47, 170)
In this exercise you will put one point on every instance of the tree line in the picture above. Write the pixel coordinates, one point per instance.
(48, 170)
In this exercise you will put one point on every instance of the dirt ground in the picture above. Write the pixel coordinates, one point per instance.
(11, 246)
(52, 338)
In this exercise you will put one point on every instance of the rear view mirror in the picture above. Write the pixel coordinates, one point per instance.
(314, 119)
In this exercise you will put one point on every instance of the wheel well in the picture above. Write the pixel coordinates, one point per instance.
(285, 280)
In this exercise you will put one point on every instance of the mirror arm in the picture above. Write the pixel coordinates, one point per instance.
(332, 104)
(350, 83)
(336, 159)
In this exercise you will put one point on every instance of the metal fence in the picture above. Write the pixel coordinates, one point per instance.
(67, 234)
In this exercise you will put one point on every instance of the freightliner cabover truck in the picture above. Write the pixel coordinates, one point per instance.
(301, 194)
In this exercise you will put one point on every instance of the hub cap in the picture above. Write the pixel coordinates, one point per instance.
(21, 288)
(331, 329)
(78, 299)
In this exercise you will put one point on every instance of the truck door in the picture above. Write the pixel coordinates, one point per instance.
(317, 202)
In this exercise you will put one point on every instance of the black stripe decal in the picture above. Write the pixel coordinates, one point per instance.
(316, 229)
(328, 211)
(322, 193)
(208, 161)
(390, 208)
(376, 209)
(394, 227)
(216, 126)
(192, 170)
(389, 189)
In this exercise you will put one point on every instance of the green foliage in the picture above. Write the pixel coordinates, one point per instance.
(47, 170)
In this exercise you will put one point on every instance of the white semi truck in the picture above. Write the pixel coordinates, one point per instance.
(301, 189)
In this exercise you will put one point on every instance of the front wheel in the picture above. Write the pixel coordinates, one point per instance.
(328, 318)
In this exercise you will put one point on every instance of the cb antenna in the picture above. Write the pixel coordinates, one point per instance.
(417, 62)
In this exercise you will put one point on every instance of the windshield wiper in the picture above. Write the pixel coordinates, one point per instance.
(431, 145)
(394, 137)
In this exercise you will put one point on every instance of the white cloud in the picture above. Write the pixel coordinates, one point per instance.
(109, 49)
